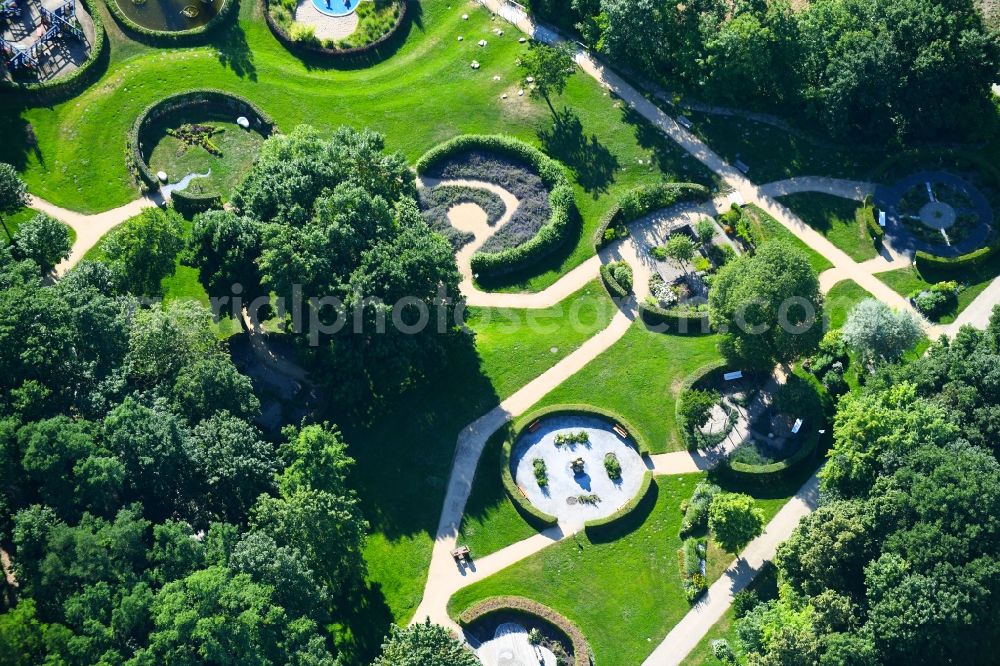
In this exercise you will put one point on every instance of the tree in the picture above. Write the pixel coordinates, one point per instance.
(878, 334)
(679, 250)
(224, 246)
(704, 229)
(767, 307)
(143, 250)
(695, 407)
(45, 240)
(735, 520)
(13, 194)
(211, 384)
(423, 644)
(550, 68)
(164, 341)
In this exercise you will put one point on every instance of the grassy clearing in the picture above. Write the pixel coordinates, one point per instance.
(517, 345)
(638, 377)
(238, 149)
(905, 281)
(841, 298)
(771, 229)
(77, 162)
(625, 594)
(837, 219)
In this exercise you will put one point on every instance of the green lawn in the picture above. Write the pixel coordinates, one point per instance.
(836, 218)
(840, 299)
(771, 229)
(517, 345)
(638, 377)
(238, 149)
(419, 96)
(625, 594)
(905, 281)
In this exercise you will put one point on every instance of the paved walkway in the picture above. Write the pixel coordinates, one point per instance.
(687, 633)
(90, 228)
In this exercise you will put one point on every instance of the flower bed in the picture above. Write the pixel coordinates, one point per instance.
(582, 655)
(691, 563)
(642, 201)
(380, 34)
(436, 202)
(509, 160)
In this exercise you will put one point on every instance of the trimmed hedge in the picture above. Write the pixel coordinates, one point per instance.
(644, 200)
(582, 655)
(582, 410)
(535, 516)
(867, 212)
(594, 527)
(551, 235)
(171, 37)
(213, 100)
(615, 289)
(687, 385)
(292, 45)
(969, 261)
(805, 451)
(675, 321)
(74, 82)
(190, 204)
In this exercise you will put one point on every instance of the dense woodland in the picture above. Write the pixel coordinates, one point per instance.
(863, 69)
(147, 518)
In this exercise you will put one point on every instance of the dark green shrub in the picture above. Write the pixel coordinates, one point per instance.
(612, 467)
(541, 474)
(696, 509)
(745, 601)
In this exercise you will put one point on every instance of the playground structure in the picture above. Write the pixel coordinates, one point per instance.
(41, 39)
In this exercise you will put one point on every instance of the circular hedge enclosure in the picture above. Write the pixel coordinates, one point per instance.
(551, 233)
(208, 104)
(284, 29)
(534, 611)
(171, 36)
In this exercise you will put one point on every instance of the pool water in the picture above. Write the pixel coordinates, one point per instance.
(336, 7)
(169, 14)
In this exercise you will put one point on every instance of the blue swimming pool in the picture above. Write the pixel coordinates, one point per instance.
(335, 7)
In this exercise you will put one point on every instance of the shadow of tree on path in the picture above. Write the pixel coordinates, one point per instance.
(591, 161)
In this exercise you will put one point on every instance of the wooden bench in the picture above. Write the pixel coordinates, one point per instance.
(620, 431)
(460, 553)
(534, 425)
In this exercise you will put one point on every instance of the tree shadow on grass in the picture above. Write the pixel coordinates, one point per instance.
(19, 140)
(591, 161)
(668, 157)
(235, 53)
(359, 630)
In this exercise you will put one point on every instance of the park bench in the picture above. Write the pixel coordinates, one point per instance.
(534, 425)
(620, 431)
(460, 553)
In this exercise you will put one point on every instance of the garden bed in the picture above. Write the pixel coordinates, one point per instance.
(192, 148)
(541, 222)
(378, 22)
(436, 202)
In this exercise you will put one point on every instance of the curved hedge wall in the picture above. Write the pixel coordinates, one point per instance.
(210, 100)
(74, 82)
(644, 200)
(189, 204)
(968, 261)
(615, 289)
(172, 37)
(291, 44)
(687, 385)
(582, 410)
(674, 321)
(597, 524)
(581, 649)
(806, 449)
(552, 234)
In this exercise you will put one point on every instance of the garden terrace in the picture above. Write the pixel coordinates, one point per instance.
(179, 132)
(336, 28)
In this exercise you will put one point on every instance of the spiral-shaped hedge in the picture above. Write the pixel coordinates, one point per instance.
(551, 236)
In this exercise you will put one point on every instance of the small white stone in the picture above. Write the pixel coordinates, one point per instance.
(465, 17)
(530, 79)
(482, 42)
(503, 96)
(243, 122)
(520, 93)
(474, 64)
(496, 77)
(162, 176)
(460, 38)
(522, 40)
